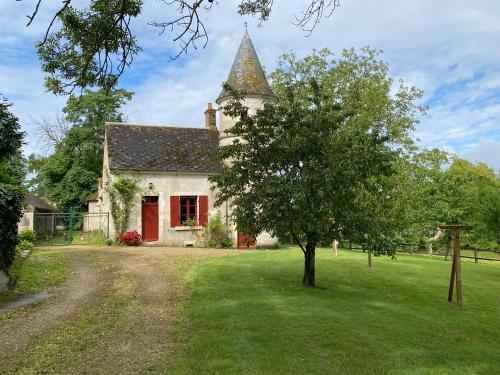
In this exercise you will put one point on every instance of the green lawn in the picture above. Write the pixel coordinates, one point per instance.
(42, 269)
(249, 314)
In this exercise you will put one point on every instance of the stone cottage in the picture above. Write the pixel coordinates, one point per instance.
(172, 169)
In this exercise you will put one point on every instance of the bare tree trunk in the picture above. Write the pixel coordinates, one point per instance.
(370, 261)
(309, 263)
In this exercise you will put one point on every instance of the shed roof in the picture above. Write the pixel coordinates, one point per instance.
(246, 73)
(33, 200)
(160, 148)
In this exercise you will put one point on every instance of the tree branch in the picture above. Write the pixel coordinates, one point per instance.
(316, 10)
(297, 240)
(192, 28)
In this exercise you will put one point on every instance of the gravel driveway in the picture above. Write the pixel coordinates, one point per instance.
(119, 313)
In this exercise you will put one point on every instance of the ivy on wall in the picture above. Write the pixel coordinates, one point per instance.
(122, 192)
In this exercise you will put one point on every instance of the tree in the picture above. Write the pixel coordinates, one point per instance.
(322, 162)
(69, 175)
(11, 189)
(449, 190)
(95, 44)
(51, 131)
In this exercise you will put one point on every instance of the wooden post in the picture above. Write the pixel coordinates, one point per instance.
(335, 251)
(458, 272)
(370, 258)
(456, 269)
(411, 248)
(452, 280)
(475, 254)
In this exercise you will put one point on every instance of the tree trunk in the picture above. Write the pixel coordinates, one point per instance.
(370, 262)
(309, 263)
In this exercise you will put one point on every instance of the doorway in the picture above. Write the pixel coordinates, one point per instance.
(150, 219)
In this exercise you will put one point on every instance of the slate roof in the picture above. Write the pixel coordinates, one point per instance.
(160, 148)
(246, 73)
(33, 200)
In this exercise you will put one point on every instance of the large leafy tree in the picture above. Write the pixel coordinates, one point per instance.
(11, 177)
(91, 43)
(449, 190)
(69, 175)
(323, 161)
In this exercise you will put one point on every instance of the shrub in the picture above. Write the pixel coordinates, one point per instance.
(24, 245)
(131, 238)
(11, 205)
(217, 233)
(27, 235)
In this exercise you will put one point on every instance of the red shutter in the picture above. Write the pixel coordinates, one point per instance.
(203, 213)
(175, 211)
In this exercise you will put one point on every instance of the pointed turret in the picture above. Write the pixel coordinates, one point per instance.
(246, 73)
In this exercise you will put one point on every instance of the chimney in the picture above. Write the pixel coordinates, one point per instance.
(210, 119)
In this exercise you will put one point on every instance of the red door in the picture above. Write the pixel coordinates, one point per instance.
(246, 240)
(150, 227)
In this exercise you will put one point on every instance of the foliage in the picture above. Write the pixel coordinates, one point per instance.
(356, 324)
(92, 48)
(122, 193)
(24, 245)
(131, 238)
(322, 162)
(12, 193)
(69, 176)
(27, 235)
(41, 270)
(191, 222)
(443, 190)
(217, 233)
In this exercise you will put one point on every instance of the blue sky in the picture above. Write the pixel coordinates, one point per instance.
(450, 49)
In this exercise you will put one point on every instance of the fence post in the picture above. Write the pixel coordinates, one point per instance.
(475, 254)
(411, 248)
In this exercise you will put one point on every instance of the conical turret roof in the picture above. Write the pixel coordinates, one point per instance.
(246, 73)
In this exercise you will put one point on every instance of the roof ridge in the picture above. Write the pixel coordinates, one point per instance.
(154, 126)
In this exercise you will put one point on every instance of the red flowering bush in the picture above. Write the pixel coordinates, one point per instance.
(132, 238)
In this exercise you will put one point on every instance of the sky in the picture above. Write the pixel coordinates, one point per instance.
(448, 48)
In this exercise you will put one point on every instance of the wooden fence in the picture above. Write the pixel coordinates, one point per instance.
(413, 249)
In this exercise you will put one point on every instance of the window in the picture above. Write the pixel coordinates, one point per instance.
(188, 208)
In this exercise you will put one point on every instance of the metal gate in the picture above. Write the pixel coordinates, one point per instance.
(72, 227)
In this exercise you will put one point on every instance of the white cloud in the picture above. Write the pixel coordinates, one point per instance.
(486, 151)
(445, 48)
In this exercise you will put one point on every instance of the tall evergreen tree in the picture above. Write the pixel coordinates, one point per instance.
(11, 178)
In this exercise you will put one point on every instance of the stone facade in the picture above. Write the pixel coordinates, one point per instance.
(167, 166)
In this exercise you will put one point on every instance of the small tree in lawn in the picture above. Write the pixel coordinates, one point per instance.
(322, 162)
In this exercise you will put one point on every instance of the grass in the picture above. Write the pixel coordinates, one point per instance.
(64, 347)
(249, 314)
(79, 238)
(41, 270)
